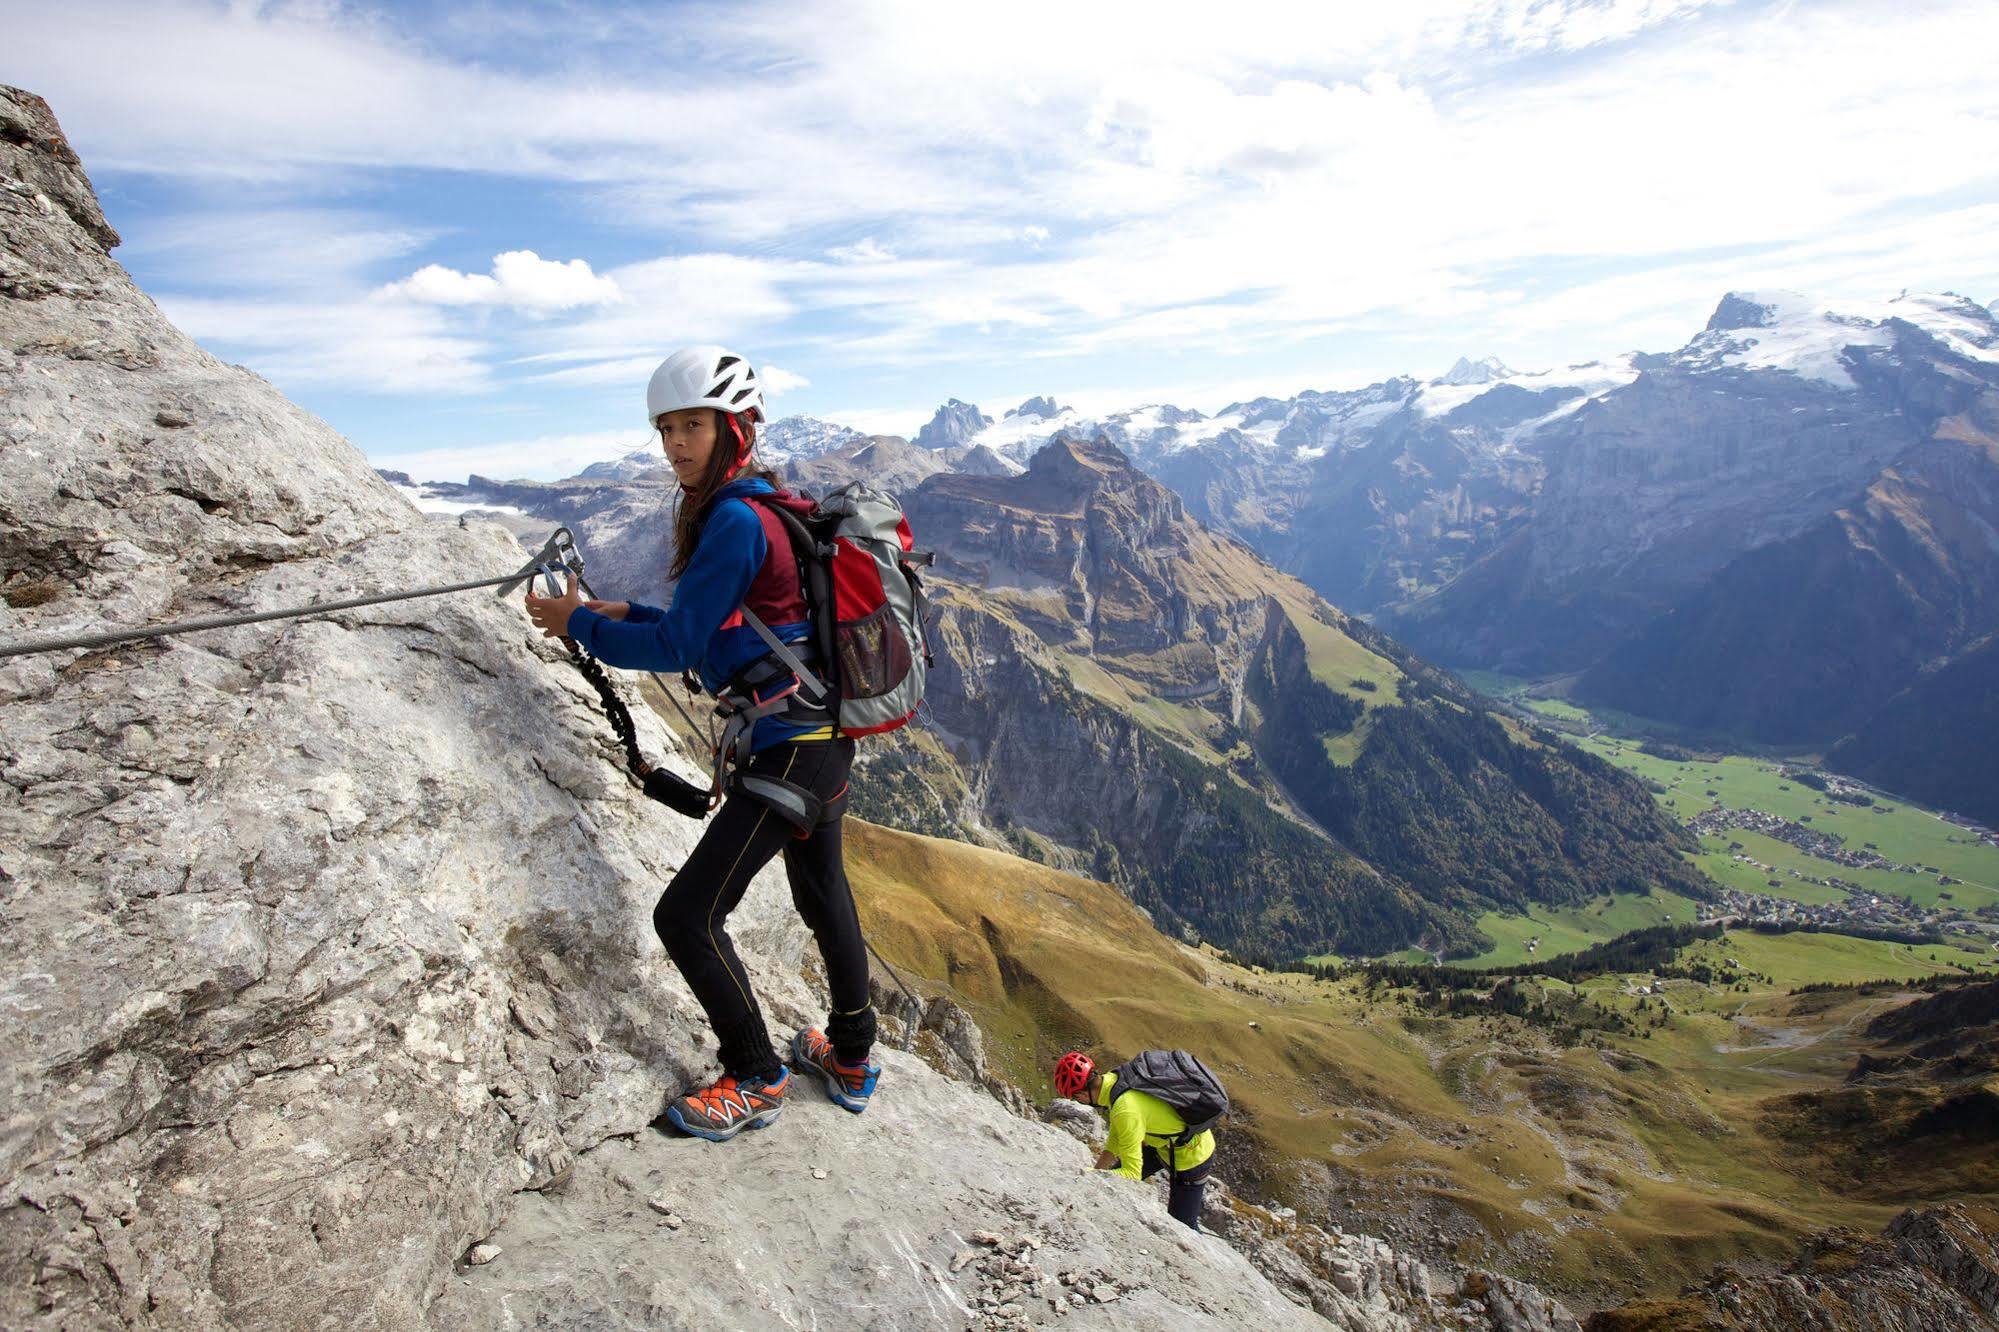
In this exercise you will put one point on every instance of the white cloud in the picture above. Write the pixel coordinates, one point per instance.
(866, 250)
(271, 248)
(624, 370)
(1426, 167)
(521, 280)
(778, 380)
(904, 421)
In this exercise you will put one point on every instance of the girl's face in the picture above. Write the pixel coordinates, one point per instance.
(688, 436)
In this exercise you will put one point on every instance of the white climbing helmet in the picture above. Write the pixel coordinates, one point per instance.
(704, 377)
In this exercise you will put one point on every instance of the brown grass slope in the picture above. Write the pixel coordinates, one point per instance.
(1601, 1172)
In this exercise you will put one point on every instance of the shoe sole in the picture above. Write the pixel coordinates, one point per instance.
(762, 1119)
(836, 1092)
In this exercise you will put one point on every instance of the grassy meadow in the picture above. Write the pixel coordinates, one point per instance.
(1900, 830)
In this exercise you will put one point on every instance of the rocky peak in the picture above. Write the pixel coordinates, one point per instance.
(955, 423)
(887, 462)
(1041, 408)
(1741, 310)
(981, 460)
(639, 462)
(39, 161)
(1086, 459)
(1485, 370)
(1259, 410)
(794, 437)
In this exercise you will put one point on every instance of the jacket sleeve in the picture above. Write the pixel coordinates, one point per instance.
(731, 550)
(1127, 1136)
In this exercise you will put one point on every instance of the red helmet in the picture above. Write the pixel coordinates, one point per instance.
(1072, 1074)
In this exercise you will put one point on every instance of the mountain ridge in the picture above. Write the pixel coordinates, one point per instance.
(1107, 593)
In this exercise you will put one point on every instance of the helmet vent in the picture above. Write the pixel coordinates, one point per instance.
(725, 363)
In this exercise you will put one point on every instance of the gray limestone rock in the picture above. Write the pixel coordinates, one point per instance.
(1074, 1119)
(954, 424)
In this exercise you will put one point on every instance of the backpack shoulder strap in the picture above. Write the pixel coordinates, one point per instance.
(815, 583)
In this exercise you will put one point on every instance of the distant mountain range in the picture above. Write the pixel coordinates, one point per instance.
(1765, 536)
(1768, 535)
(1123, 691)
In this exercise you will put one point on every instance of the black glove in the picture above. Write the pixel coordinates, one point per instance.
(677, 794)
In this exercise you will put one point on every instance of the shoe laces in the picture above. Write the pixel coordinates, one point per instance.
(716, 1094)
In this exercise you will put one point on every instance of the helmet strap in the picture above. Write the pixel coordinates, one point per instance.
(742, 441)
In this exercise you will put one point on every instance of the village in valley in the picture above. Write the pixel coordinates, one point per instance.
(1796, 848)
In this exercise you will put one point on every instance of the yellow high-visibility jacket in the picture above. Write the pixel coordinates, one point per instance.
(1139, 1120)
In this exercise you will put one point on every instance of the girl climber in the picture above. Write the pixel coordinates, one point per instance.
(731, 551)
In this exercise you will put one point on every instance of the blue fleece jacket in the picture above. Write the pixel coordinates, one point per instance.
(700, 630)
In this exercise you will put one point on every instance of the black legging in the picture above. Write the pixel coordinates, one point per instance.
(1184, 1191)
(693, 912)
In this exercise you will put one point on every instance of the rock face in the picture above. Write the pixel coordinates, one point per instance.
(48, 169)
(1938, 740)
(1356, 1281)
(1932, 1270)
(1803, 641)
(323, 941)
(954, 424)
(895, 1222)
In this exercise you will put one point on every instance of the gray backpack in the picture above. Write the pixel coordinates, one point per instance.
(1180, 1080)
(858, 573)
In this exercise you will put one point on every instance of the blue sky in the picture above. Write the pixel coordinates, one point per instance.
(464, 233)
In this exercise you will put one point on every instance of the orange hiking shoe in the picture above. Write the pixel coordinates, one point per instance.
(850, 1085)
(727, 1106)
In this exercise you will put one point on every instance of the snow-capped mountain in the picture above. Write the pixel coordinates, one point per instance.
(1788, 332)
(1482, 371)
(1782, 532)
(793, 438)
(638, 463)
(786, 440)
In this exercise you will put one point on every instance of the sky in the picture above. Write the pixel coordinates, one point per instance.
(465, 233)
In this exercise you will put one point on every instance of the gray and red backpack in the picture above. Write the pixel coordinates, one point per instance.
(856, 567)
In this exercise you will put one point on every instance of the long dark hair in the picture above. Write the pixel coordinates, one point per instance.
(694, 501)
